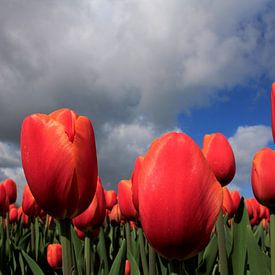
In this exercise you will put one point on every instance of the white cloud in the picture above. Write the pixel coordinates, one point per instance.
(246, 141)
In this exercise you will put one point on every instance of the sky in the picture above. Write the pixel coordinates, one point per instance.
(138, 69)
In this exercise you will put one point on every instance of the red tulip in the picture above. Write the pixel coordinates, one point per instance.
(4, 201)
(228, 205)
(125, 200)
(135, 176)
(110, 198)
(59, 161)
(179, 197)
(219, 154)
(115, 215)
(127, 269)
(236, 198)
(13, 215)
(11, 190)
(94, 215)
(24, 217)
(54, 255)
(263, 177)
(273, 109)
(29, 205)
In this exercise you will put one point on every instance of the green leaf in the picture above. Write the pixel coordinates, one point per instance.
(259, 263)
(237, 259)
(162, 267)
(37, 238)
(21, 263)
(32, 264)
(133, 263)
(209, 256)
(119, 262)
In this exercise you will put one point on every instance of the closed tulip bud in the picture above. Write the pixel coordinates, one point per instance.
(236, 198)
(273, 109)
(29, 205)
(263, 177)
(4, 201)
(54, 255)
(174, 182)
(228, 205)
(249, 208)
(94, 215)
(127, 269)
(115, 215)
(13, 215)
(219, 155)
(59, 161)
(110, 198)
(133, 225)
(23, 216)
(125, 200)
(135, 175)
(11, 190)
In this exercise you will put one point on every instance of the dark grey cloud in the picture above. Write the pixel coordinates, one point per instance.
(126, 64)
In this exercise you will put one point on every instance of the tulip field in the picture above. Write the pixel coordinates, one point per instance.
(176, 214)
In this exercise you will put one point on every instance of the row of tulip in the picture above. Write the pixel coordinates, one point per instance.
(30, 240)
(176, 193)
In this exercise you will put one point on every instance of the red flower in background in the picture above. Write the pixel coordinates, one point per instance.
(54, 255)
(59, 160)
(94, 215)
(110, 198)
(11, 190)
(125, 200)
(29, 205)
(179, 197)
(219, 155)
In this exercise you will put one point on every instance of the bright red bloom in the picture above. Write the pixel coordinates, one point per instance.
(13, 215)
(11, 190)
(125, 200)
(263, 177)
(59, 161)
(219, 155)
(29, 205)
(110, 198)
(127, 269)
(179, 197)
(236, 198)
(273, 109)
(23, 216)
(94, 215)
(115, 215)
(54, 255)
(4, 201)
(228, 205)
(135, 176)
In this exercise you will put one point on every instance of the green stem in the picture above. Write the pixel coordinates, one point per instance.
(128, 236)
(67, 262)
(272, 239)
(102, 240)
(87, 253)
(32, 237)
(8, 226)
(223, 267)
(152, 261)
(142, 252)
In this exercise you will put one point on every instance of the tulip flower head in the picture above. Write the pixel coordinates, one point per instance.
(94, 215)
(135, 175)
(4, 201)
(228, 205)
(54, 255)
(125, 200)
(11, 190)
(29, 205)
(59, 161)
(179, 197)
(220, 156)
(263, 177)
(110, 198)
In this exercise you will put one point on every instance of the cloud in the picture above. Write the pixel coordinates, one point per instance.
(118, 61)
(246, 141)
